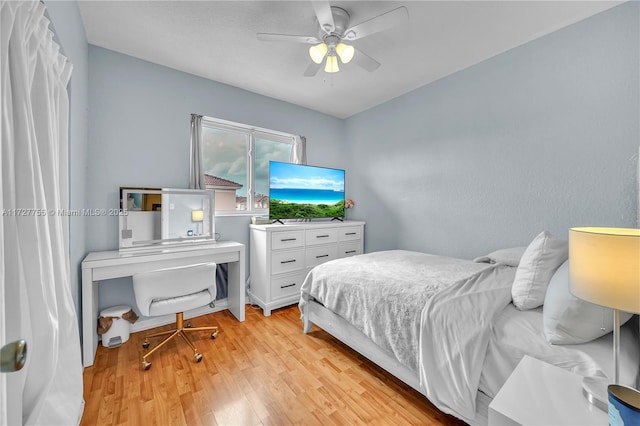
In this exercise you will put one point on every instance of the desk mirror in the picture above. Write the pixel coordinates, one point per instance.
(154, 217)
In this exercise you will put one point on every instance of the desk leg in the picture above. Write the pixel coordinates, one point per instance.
(236, 290)
(89, 317)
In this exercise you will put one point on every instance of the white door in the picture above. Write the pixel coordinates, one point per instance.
(11, 383)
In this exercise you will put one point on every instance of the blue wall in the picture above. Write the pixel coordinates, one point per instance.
(542, 137)
(139, 132)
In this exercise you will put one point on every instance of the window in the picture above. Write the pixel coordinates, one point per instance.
(236, 164)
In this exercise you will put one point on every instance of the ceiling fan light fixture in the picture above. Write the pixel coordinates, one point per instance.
(332, 64)
(318, 52)
(345, 52)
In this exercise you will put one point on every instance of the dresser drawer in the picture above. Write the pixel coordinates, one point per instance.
(287, 261)
(287, 239)
(321, 236)
(320, 254)
(349, 249)
(281, 256)
(286, 286)
(350, 233)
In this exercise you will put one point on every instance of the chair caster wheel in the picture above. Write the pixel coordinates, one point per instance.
(146, 365)
(197, 357)
(145, 344)
(214, 334)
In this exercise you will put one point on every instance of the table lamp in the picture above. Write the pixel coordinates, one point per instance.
(604, 269)
(197, 216)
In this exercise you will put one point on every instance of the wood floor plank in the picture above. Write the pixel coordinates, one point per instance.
(263, 371)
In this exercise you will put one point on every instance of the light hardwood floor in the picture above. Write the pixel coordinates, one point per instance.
(259, 372)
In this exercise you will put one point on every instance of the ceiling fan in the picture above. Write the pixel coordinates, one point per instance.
(334, 33)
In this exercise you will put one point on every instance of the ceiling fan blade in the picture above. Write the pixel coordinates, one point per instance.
(312, 69)
(365, 61)
(380, 23)
(323, 12)
(288, 38)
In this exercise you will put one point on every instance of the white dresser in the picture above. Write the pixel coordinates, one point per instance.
(282, 255)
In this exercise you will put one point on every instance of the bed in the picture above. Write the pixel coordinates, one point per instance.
(449, 327)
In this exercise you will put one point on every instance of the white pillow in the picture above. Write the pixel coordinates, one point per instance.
(538, 263)
(569, 320)
(508, 256)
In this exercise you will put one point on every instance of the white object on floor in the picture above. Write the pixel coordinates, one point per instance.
(120, 328)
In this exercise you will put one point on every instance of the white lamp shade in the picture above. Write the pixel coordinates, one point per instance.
(332, 64)
(317, 52)
(197, 215)
(604, 266)
(345, 52)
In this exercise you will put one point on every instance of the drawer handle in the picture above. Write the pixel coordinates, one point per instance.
(282, 240)
(349, 252)
(350, 233)
(288, 261)
(290, 285)
(321, 255)
(322, 236)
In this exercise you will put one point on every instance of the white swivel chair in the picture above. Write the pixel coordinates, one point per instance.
(173, 291)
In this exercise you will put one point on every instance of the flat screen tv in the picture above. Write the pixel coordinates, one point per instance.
(299, 191)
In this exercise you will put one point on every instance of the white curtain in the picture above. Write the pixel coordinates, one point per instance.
(196, 173)
(299, 152)
(34, 158)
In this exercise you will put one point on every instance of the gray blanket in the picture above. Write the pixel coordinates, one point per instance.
(383, 294)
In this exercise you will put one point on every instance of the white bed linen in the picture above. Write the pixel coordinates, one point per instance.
(456, 326)
(382, 294)
(516, 333)
(451, 321)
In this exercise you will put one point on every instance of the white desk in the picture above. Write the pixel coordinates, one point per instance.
(538, 393)
(105, 265)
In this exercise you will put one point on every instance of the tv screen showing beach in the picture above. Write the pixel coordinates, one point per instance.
(298, 191)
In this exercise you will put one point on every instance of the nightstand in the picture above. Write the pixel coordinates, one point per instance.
(538, 393)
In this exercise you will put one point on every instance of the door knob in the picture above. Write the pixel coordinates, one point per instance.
(13, 356)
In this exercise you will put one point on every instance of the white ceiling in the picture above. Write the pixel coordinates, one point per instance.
(217, 40)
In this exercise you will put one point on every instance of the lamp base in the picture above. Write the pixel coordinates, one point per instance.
(595, 390)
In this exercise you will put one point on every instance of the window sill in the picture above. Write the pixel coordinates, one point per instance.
(241, 213)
